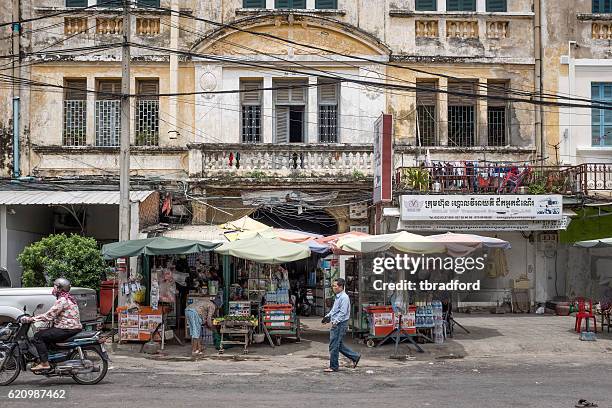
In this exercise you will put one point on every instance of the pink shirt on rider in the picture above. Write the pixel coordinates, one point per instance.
(64, 314)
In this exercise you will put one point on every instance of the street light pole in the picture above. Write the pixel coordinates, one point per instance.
(124, 154)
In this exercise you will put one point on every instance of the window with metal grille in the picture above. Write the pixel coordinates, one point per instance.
(290, 4)
(602, 6)
(108, 113)
(254, 4)
(328, 112)
(497, 117)
(251, 111)
(601, 119)
(426, 114)
(147, 113)
(76, 3)
(289, 111)
(497, 6)
(426, 5)
(461, 5)
(75, 113)
(326, 4)
(461, 114)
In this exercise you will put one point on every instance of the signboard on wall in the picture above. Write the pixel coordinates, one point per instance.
(497, 226)
(383, 159)
(481, 207)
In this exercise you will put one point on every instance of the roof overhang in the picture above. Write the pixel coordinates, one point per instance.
(79, 197)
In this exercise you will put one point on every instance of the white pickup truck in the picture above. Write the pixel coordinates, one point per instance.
(13, 300)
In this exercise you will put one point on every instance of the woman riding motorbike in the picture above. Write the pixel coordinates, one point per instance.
(65, 322)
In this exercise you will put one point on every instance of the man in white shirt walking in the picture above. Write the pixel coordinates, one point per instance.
(339, 317)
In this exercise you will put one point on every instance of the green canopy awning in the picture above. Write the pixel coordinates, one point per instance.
(265, 250)
(155, 246)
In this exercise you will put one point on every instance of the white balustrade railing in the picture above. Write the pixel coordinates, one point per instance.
(260, 161)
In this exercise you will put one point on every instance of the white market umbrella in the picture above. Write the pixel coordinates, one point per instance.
(401, 241)
(464, 244)
(595, 243)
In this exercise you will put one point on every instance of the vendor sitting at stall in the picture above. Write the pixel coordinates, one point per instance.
(201, 311)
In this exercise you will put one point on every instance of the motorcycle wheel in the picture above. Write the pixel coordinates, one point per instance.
(10, 371)
(92, 354)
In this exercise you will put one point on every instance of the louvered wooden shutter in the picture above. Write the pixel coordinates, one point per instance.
(461, 5)
(497, 6)
(110, 3)
(279, 4)
(148, 89)
(254, 4)
(298, 4)
(290, 92)
(76, 90)
(327, 4)
(148, 3)
(253, 94)
(426, 5)
(497, 89)
(328, 94)
(426, 95)
(596, 6)
(463, 87)
(282, 124)
(109, 90)
(76, 3)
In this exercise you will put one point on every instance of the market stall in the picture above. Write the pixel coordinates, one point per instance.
(170, 273)
(263, 291)
(377, 313)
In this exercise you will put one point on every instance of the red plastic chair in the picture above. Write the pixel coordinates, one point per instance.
(584, 314)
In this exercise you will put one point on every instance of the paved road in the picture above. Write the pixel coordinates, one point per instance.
(493, 382)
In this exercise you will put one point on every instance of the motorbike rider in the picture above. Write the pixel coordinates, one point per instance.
(65, 322)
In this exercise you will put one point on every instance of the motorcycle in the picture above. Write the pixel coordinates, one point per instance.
(82, 357)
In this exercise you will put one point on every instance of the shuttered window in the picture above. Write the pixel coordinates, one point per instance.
(601, 119)
(147, 3)
(499, 6)
(326, 4)
(328, 112)
(76, 3)
(602, 6)
(426, 5)
(110, 3)
(461, 114)
(147, 113)
(254, 4)
(109, 89)
(290, 4)
(497, 116)
(461, 5)
(426, 113)
(251, 111)
(289, 107)
(290, 92)
(75, 113)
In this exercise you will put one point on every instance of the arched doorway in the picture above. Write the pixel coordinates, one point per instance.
(289, 217)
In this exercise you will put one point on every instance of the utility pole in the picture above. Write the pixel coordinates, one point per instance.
(16, 31)
(124, 153)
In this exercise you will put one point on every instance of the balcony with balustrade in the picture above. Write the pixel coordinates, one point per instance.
(281, 161)
(504, 178)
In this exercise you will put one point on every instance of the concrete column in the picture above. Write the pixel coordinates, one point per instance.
(441, 5)
(310, 4)
(482, 130)
(134, 220)
(481, 5)
(312, 133)
(268, 112)
(90, 131)
(443, 112)
(174, 65)
(269, 4)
